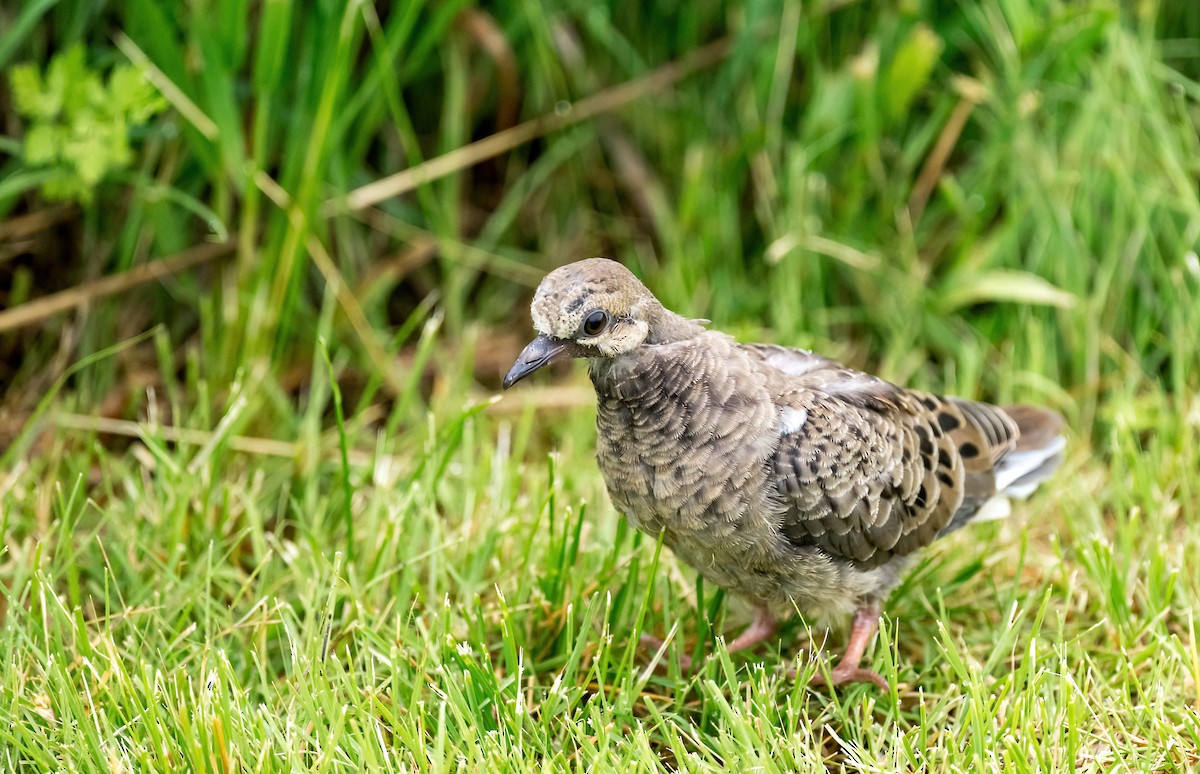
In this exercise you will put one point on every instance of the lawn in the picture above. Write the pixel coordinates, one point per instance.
(263, 266)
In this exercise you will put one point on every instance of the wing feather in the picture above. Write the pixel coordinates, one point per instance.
(875, 471)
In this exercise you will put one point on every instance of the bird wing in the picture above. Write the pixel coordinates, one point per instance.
(791, 360)
(868, 471)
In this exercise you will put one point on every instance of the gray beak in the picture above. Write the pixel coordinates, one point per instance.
(539, 352)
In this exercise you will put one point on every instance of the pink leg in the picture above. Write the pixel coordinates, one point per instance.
(866, 623)
(763, 627)
(650, 642)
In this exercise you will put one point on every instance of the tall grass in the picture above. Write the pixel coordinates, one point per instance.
(931, 185)
(291, 530)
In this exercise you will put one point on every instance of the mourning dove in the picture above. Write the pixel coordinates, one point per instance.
(779, 475)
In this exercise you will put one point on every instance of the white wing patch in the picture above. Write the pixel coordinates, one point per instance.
(1016, 465)
(793, 361)
(791, 420)
(996, 508)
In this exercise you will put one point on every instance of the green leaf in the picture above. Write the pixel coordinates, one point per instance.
(88, 153)
(130, 94)
(42, 144)
(30, 95)
(64, 185)
(910, 69)
(22, 181)
(1002, 285)
(832, 106)
(80, 123)
(69, 80)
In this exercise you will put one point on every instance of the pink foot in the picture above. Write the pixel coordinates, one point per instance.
(844, 674)
(866, 623)
(764, 626)
(652, 643)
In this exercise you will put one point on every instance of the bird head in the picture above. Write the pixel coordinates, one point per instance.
(591, 309)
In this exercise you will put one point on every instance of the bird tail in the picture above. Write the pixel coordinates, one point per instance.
(1036, 455)
(1029, 446)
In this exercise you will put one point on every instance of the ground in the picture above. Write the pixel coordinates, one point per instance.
(262, 506)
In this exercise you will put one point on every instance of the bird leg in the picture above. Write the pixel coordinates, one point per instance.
(763, 627)
(650, 642)
(866, 623)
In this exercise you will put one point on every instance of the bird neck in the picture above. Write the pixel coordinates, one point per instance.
(667, 327)
(615, 375)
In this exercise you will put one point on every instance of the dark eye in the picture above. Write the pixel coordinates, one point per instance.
(595, 322)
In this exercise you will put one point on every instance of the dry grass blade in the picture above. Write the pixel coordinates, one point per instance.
(554, 397)
(484, 30)
(459, 252)
(972, 94)
(47, 306)
(269, 447)
(489, 147)
(173, 94)
(354, 313)
(32, 223)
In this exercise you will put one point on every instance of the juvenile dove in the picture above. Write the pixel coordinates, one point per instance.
(779, 475)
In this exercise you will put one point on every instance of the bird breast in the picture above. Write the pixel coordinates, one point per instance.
(683, 436)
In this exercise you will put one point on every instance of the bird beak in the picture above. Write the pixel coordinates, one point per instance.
(539, 352)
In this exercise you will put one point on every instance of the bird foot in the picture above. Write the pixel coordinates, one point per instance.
(652, 643)
(763, 627)
(844, 674)
(866, 623)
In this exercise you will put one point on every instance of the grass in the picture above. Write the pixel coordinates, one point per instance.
(273, 519)
(188, 606)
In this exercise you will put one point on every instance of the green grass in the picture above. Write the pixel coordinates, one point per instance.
(307, 538)
(194, 607)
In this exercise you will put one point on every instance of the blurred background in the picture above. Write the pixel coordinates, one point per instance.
(998, 199)
(263, 265)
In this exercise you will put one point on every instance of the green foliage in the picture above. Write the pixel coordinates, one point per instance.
(198, 609)
(321, 548)
(79, 124)
(920, 185)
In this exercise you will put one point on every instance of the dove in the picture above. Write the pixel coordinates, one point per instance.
(780, 475)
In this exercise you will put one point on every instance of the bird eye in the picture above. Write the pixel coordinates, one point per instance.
(595, 322)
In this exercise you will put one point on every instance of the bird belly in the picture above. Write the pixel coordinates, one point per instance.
(733, 541)
(785, 580)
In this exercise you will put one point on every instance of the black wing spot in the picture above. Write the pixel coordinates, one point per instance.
(947, 421)
(968, 450)
(944, 459)
(921, 495)
(923, 437)
(930, 403)
(944, 477)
